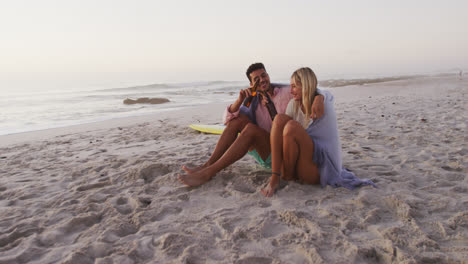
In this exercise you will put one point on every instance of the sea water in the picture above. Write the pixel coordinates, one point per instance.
(32, 109)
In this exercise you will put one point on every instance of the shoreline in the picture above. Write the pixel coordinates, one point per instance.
(48, 133)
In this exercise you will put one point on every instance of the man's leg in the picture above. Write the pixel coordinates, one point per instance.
(252, 137)
(233, 128)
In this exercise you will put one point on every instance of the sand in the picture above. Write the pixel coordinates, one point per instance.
(108, 192)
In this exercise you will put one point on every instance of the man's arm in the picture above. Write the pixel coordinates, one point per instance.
(236, 105)
(232, 111)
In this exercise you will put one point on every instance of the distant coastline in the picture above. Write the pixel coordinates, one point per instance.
(331, 83)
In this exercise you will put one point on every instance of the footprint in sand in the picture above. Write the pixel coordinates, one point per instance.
(151, 172)
(69, 230)
(116, 232)
(144, 201)
(459, 189)
(174, 244)
(264, 204)
(311, 202)
(166, 212)
(257, 260)
(183, 197)
(241, 187)
(225, 194)
(448, 168)
(375, 167)
(387, 173)
(379, 169)
(87, 187)
(374, 216)
(125, 205)
(17, 233)
(369, 254)
(27, 196)
(143, 249)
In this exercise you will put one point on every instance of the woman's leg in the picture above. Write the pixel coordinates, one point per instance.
(298, 149)
(276, 142)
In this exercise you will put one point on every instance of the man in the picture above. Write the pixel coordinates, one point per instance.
(253, 123)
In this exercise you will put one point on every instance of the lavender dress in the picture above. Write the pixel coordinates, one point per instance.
(327, 146)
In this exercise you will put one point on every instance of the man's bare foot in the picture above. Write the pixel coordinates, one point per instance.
(195, 179)
(192, 170)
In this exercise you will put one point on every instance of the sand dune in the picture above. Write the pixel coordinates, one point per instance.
(108, 193)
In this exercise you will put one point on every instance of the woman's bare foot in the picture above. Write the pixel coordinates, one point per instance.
(196, 178)
(270, 189)
(192, 170)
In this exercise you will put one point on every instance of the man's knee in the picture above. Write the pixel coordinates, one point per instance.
(253, 131)
(250, 129)
(238, 123)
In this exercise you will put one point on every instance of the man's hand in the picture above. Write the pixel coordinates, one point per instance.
(264, 99)
(270, 189)
(243, 94)
(318, 108)
(247, 92)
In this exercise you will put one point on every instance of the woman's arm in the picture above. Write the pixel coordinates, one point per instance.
(318, 107)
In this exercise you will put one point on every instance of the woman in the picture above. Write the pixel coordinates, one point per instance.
(304, 149)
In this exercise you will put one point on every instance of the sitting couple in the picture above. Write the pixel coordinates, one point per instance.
(301, 143)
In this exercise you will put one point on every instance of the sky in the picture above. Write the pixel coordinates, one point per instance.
(180, 41)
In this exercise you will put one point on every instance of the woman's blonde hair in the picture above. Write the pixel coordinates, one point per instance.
(307, 78)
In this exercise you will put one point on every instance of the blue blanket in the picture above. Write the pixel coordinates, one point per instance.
(327, 149)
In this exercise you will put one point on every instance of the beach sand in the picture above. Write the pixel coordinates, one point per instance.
(108, 192)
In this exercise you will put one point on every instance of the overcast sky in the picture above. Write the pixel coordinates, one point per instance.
(216, 40)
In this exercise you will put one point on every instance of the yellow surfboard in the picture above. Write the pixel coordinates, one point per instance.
(210, 129)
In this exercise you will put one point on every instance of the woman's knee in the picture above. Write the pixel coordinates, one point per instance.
(291, 128)
(281, 119)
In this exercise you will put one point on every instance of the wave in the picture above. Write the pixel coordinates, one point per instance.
(136, 88)
(159, 86)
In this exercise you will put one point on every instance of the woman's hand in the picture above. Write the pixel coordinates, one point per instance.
(270, 189)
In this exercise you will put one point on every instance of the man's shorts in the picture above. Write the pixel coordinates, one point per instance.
(258, 158)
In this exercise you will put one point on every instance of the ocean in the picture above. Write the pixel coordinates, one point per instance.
(36, 109)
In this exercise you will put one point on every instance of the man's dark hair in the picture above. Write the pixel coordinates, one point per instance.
(254, 67)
